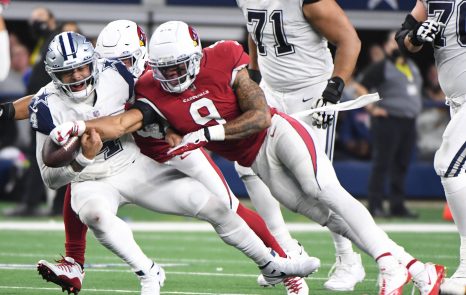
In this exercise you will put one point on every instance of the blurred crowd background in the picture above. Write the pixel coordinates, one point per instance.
(32, 24)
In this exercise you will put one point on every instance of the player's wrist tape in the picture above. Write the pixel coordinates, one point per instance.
(83, 161)
(79, 128)
(7, 111)
(215, 133)
(334, 90)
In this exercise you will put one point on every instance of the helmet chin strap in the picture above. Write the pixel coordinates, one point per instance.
(84, 96)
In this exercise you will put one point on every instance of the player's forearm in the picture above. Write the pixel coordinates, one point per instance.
(256, 115)
(346, 56)
(21, 107)
(112, 127)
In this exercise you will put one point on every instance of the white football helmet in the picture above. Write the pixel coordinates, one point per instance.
(175, 54)
(68, 51)
(124, 39)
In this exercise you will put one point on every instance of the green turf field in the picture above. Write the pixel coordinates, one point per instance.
(195, 262)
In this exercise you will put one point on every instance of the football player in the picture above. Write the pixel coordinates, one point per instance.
(208, 96)
(124, 40)
(441, 24)
(288, 44)
(102, 179)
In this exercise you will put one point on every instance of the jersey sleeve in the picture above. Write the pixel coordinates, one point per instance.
(40, 117)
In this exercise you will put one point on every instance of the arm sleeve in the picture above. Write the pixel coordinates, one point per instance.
(54, 178)
(5, 55)
(373, 76)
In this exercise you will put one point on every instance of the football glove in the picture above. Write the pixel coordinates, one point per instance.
(331, 95)
(426, 32)
(61, 133)
(191, 141)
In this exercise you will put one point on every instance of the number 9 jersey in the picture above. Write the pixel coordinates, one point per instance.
(209, 101)
(449, 44)
(290, 53)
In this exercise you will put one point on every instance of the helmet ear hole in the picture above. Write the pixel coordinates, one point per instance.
(175, 43)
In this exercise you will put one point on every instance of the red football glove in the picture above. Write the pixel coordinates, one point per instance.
(191, 141)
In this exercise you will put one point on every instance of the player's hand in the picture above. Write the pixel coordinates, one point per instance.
(61, 133)
(322, 119)
(191, 141)
(3, 5)
(91, 144)
(172, 138)
(427, 31)
(331, 95)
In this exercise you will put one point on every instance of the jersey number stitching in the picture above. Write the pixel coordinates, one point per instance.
(257, 19)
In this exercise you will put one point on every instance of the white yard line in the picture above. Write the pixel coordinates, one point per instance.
(205, 227)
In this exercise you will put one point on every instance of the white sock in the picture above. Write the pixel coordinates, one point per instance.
(115, 235)
(343, 246)
(234, 231)
(455, 192)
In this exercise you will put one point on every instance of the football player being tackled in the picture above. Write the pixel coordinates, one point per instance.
(207, 96)
(131, 50)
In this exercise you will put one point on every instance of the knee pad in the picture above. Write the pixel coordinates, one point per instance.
(244, 171)
(95, 217)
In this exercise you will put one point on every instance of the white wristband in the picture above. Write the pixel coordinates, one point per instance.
(217, 132)
(83, 161)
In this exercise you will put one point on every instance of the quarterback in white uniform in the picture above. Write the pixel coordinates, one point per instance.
(103, 179)
(288, 44)
(441, 23)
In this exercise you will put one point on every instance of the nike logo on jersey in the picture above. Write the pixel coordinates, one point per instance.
(273, 133)
(307, 99)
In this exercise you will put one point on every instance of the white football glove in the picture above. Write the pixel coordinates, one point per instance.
(322, 119)
(3, 5)
(428, 30)
(191, 141)
(61, 133)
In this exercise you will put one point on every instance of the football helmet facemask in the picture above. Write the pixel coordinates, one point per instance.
(67, 52)
(124, 39)
(175, 54)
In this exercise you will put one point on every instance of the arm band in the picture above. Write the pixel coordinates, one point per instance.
(409, 26)
(149, 115)
(7, 111)
(255, 75)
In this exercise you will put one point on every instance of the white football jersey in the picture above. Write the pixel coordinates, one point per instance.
(450, 44)
(115, 86)
(291, 54)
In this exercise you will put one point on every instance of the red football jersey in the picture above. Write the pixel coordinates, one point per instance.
(210, 102)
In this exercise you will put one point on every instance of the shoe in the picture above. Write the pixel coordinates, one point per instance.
(428, 281)
(279, 268)
(456, 285)
(66, 273)
(392, 279)
(345, 273)
(152, 281)
(403, 212)
(296, 286)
